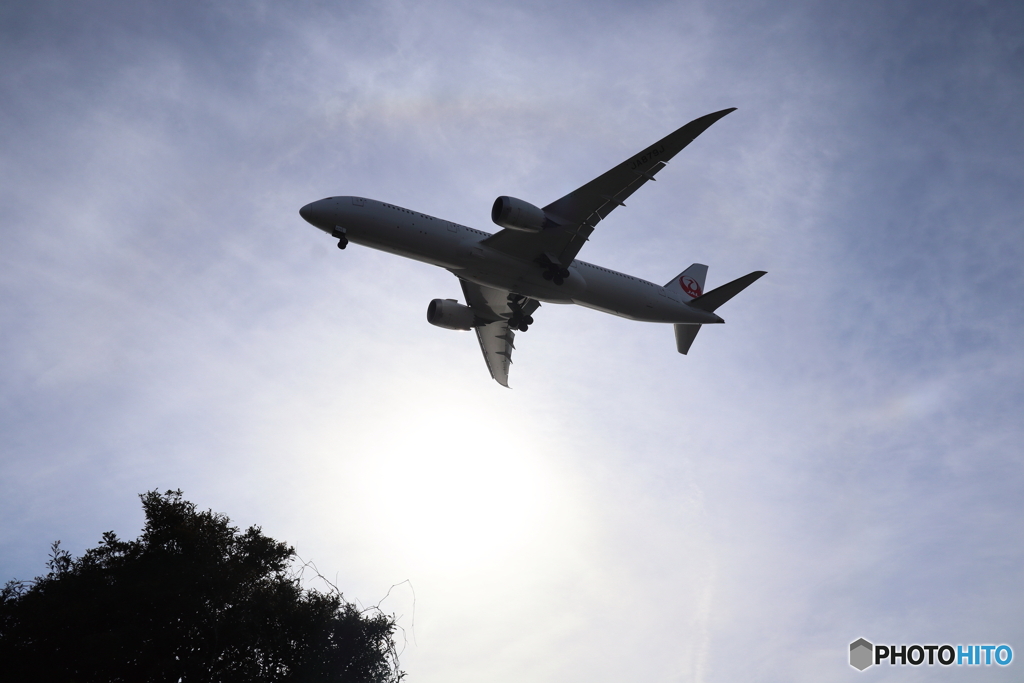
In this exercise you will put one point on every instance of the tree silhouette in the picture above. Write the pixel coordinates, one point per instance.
(192, 599)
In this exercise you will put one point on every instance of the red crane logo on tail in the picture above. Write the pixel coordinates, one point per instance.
(690, 286)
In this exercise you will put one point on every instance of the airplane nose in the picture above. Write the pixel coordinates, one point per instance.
(307, 213)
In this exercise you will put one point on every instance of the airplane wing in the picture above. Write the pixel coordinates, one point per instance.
(575, 215)
(497, 337)
(496, 343)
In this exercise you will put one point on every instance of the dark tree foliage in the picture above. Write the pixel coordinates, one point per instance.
(192, 599)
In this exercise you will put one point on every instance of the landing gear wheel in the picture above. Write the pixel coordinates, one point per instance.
(548, 274)
(528, 320)
(558, 280)
(564, 272)
(524, 327)
(339, 235)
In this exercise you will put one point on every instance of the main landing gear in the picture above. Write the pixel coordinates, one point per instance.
(556, 274)
(553, 270)
(519, 321)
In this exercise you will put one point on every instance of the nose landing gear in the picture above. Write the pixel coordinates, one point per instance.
(339, 234)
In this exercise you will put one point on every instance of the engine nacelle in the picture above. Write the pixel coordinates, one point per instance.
(450, 314)
(515, 214)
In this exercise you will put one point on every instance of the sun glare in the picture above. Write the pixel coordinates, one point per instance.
(455, 503)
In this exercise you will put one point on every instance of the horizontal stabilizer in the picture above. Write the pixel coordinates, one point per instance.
(685, 334)
(718, 296)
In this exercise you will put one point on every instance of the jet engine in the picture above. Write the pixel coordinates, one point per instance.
(450, 314)
(515, 214)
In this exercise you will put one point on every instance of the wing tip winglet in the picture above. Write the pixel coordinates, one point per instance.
(715, 115)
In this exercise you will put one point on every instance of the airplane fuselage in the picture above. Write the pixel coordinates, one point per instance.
(460, 250)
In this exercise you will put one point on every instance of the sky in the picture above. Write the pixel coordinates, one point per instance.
(841, 459)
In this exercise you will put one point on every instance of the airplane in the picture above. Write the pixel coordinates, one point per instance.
(505, 276)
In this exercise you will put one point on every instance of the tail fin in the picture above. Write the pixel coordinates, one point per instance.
(685, 334)
(689, 284)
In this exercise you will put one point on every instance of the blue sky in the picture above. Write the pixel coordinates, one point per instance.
(842, 459)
